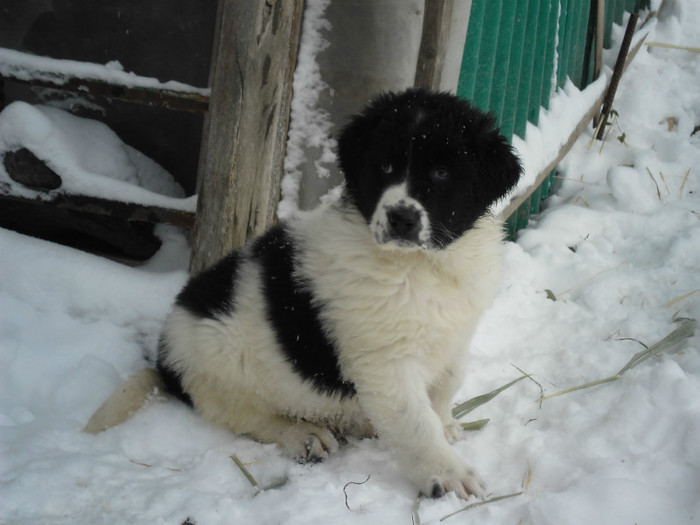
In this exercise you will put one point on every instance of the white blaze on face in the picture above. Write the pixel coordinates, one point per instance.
(400, 220)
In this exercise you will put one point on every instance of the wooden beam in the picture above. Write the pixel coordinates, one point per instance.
(437, 15)
(245, 131)
(97, 80)
(26, 169)
(166, 98)
(599, 37)
(109, 208)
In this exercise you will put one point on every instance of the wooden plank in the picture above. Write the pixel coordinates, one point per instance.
(540, 56)
(515, 73)
(599, 37)
(27, 170)
(244, 134)
(105, 207)
(437, 15)
(167, 98)
(609, 15)
(525, 85)
(487, 52)
(121, 239)
(472, 49)
(619, 14)
(97, 80)
(501, 59)
(576, 69)
(564, 44)
(588, 69)
(548, 72)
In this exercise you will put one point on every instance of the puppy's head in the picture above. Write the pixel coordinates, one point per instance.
(423, 167)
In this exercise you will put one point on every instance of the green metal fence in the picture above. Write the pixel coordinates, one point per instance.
(516, 54)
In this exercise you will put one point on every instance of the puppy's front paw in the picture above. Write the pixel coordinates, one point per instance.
(464, 482)
(308, 443)
(453, 430)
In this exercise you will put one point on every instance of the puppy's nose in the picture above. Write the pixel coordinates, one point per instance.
(404, 222)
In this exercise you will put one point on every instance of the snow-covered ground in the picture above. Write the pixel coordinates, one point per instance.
(617, 246)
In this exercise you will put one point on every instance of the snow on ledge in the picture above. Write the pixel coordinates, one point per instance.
(543, 142)
(568, 107)
(25, 66)
(88, 156)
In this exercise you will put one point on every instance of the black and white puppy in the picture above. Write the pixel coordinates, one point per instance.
(355, 318)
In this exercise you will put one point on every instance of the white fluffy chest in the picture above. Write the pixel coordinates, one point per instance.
(381, 305)
(408, 314)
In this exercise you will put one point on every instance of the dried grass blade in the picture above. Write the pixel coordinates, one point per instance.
(680, 298)
(480, 503)
(244, 470)
(475, 425)
(464, 408)
(684, 331)
(591, 278)
(580, 387)
(658, 191)
(690, 49)
(685, 179)
(415, 517)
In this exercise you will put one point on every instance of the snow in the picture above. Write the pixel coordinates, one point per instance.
(25, 66)
(88, 156)
(309, 124)
(617, 246)
(555, 125)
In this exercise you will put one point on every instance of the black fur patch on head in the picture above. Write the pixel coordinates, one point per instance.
(211, 293)
(295, 317)
(450, 154)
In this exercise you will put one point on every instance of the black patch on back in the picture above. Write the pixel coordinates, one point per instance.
(294, 315)
(207, 295)
(171, 379)
(211, 293)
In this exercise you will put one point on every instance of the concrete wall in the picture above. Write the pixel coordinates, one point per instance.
(373, 48)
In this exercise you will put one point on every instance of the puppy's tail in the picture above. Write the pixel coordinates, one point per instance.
(128, 398)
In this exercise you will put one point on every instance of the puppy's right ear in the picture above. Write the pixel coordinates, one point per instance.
(500, 164)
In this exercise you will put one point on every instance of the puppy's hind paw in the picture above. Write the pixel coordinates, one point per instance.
(309, 443)
(316, 450)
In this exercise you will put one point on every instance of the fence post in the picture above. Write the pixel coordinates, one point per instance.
(243, 143)
(437, 15)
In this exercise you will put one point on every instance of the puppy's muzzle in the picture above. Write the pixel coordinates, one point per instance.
(404, 223)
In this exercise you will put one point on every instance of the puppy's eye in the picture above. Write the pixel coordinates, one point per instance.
(439, 174)
(387, 168)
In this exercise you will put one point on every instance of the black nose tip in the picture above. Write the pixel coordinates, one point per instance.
(404, 222)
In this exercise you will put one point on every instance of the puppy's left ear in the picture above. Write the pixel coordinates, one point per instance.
(501, 167)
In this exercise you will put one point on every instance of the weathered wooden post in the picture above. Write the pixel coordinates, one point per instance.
(437, 16)
(244, 135)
